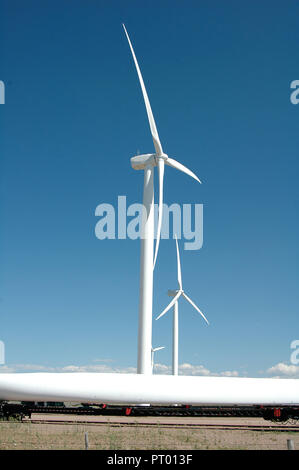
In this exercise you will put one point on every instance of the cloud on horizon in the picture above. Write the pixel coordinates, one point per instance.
(190, 369)
(280, 370)
(184, 369)
(284, 370)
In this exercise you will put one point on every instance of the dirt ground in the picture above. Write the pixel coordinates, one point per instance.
(112, 436)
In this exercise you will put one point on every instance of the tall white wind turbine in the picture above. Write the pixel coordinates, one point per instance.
(147, 162)
(174, 303)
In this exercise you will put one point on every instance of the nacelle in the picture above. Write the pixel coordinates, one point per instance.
(139, 162)
(172, 293)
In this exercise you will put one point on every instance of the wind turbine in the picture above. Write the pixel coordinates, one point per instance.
(147, 162)
(153, 354)
(174, 303)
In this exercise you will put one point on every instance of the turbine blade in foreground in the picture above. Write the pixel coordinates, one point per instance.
(196, 308)
(160, 164)
(170, 305)
(179, 264)
(180, 167)
(157, 143)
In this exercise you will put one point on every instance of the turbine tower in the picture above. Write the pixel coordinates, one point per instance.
(174, 303)
(147, 162)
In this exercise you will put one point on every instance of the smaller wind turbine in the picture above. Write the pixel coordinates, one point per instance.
(153, 354)
(174, 303)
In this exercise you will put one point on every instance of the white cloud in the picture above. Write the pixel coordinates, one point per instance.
(191, 369)
(280, 370)
(184, 369)
(162, 369)
(103, 368)
(229, 373)
(25, 368)
(283, 370)
(6, 369)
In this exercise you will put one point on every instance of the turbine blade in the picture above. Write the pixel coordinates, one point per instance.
(196, 308)
(179, 264)
(158, 349)
(170, 305)
(155, 136)
(160, 213)
(180, 167)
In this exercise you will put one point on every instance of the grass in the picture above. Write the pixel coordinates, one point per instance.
(15, 435)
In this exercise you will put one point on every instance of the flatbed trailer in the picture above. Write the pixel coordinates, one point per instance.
(26, 409)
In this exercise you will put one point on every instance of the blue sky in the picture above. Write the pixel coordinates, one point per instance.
(218, 76)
